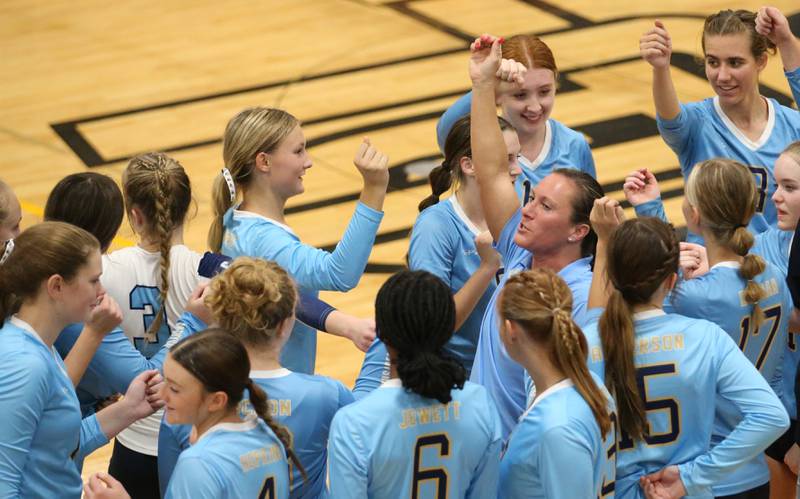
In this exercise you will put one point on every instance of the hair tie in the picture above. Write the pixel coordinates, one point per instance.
(7, 251)
(740, 226)
(226, 174)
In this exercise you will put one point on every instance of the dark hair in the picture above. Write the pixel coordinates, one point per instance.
(41, 251)
(540, 302)
(220, 362)
(588, 190)
(158, 185)
(89, 200)
(415, 316)
(642, 254)
(456, 146)
(732, 22)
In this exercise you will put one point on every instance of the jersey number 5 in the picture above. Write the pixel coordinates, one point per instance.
(438, 474)
(670, 405)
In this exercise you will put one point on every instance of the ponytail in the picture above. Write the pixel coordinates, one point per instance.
(415, 317)
(220, 203)
(618, 340)
(752, 265)
(258, 399)
(441, 179)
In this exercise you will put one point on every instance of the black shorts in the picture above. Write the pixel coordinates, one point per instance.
(760, 492)
(137, 472)
(781, 446)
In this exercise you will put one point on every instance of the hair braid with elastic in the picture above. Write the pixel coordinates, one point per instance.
(540, 302)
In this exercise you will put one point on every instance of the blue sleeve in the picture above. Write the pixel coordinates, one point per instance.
(794, 83)
(194, 478)
(764, 419)
(432, 247)
(117, 361)
(485, 479)
(679, 132)
(374, 370)
(459, 109)
(92, 437)
(312, 311)
(347, 461)
(654, 208)
(172, 440)
(345, 396)
(563, 452)
(586, 159)
(24, 393)
(314, 268)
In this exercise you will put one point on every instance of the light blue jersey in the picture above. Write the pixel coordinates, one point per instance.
(702, 131)
(557, 451)
(503, 378)
(395, 443)
(42, 434)
(232, 460)
(117, 361)
(683, 365)
(374, 370)
(717, 296)
(443, 243)
(793, 77)
(303, 403)
(249, 234)
(563, 147)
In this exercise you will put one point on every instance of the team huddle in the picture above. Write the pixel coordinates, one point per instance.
(539, 344)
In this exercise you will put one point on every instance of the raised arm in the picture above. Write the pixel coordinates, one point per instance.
(606, 215)
(656, 48)
(489, 154)
(771, 23)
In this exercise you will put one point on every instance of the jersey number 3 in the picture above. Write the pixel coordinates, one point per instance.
(441, 441)
(144, 298)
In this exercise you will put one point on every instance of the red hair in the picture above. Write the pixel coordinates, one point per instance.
(531, 51)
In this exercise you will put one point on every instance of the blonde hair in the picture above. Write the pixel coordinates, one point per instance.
(541, 303)
(251, 299)
(252, 131)
(726, 205)
(158, 186)
(793, 150)
(6, 194)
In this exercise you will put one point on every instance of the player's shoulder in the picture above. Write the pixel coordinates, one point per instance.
(787, 114)
(438, 216)
(565, 134)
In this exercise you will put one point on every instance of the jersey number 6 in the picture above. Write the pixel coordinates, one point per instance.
(438, 474)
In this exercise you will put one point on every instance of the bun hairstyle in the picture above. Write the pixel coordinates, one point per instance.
(158, 186)
(251, 299)
(220, 363)
(448, 174)
(41, 251)
(252, 131)
(89, 200)
(540, 302)
(415, 316)
(732, 22)
(642, 254)
(727, 204)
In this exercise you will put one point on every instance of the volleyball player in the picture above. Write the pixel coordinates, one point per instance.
(233, 457)
(551, 231)
(739, 123)
(546, 144)
(666, 371)
(52, 279)
(565, 443)
(265, 158)
(426, 431)
(254, 301)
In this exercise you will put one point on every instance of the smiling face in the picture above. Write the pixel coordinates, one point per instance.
(528, 107)
(288, 163)
(787, 193)
(83, 292)
(731, 68)
(546, 223)
(183, 394)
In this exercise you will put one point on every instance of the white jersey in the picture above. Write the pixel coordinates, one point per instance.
(132, 276)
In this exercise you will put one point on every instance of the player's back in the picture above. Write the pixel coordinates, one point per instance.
(232, 460)
(395, 443)
(682, 366)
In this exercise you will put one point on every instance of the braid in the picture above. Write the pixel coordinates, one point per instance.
(258, 398)
(163, 229)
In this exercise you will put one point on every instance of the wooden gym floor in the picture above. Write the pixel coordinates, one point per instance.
(87, 84)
